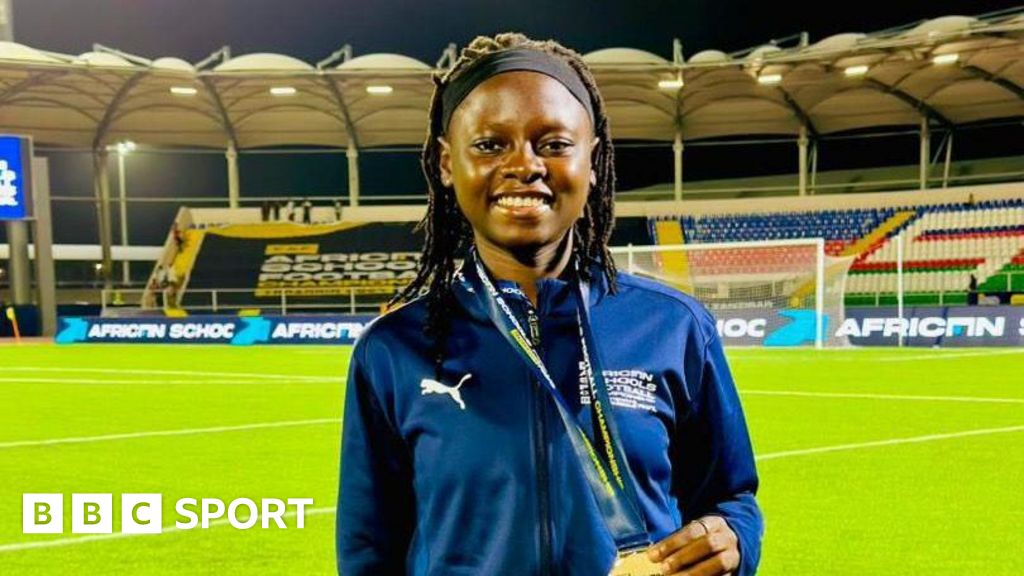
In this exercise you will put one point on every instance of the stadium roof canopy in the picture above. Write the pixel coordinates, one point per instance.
(950, 70)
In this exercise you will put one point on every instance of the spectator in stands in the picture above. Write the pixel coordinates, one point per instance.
(151, 291)
(519, 164)
(171, 287)
(275, 210)
(264, 211)
(307, 211)
(289, 210)
(972, 291)
(160, 276)
(337, 210)
(179, 237)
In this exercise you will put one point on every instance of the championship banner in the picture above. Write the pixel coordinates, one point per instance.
(929, 326)
(311, 263)
(948, 326)
(236, 330)
(15, 180)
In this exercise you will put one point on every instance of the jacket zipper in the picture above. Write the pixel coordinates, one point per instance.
(540, 449)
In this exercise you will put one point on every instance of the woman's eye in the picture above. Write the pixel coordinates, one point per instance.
(557, 146)
(487, 145)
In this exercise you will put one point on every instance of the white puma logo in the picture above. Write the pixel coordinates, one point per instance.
(434, 387)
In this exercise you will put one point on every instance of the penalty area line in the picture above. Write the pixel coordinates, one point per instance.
(866, 396)
(17, 546)
(890, 442)
(158, 433)
(284, 378)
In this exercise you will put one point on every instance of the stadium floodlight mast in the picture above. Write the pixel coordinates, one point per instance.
(123, 149)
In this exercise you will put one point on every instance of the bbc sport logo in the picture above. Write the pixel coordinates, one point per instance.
(8, 191)
(143, 513)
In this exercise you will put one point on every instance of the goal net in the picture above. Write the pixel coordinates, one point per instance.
(772, 293)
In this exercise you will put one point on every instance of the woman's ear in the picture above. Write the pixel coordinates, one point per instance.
(445, 161)
(593, 150)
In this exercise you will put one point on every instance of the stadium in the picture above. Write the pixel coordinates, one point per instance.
(190, 250)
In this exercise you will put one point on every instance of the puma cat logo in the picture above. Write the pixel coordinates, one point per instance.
(430, 386)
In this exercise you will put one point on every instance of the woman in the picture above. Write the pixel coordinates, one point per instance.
(477, 436)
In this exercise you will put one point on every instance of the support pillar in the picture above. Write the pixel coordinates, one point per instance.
(948, 160)
(102, 189)
(802, 143)
(814, 167)
(43, 239)
(233, 188)
(352, 153)
(123, 213)
(677, 158)
(20, 277)
(926, 153)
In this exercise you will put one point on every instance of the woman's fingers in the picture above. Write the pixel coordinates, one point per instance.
(677, 540)
(709, 545)
(705, 546)
(721, 564)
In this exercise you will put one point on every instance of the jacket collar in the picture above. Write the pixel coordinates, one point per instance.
(555, 296)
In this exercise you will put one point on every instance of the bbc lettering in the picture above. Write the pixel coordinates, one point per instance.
(143, 513)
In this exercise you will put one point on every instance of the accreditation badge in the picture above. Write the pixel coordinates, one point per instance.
(635, 563)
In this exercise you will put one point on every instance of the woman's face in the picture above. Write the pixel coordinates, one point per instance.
(518, 152)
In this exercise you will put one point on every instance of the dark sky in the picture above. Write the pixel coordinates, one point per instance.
(312, 29)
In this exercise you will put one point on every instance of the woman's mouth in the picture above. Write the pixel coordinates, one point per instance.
(523, 205)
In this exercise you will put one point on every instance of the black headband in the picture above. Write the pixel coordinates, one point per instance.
(495, 63)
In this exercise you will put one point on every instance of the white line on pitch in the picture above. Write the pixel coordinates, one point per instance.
(947, 355)
(156, 433)
(890, 442)
(116, 535)
(885, 396)
(157, 381)
(331, 510)
(285, 377)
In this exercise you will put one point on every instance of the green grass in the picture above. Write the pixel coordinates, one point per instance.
(941, 506)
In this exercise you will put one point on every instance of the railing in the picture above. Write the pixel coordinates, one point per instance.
(1014, 280)
(216, 301)
(890, 298)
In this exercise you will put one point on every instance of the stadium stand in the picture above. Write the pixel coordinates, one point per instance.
(945, 245)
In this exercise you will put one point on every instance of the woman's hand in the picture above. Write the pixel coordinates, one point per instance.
(704, 547)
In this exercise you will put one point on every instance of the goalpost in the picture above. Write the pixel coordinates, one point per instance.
(771, 292)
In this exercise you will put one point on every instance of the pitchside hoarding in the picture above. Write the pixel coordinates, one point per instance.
(962, 326)
(237, 330)
(951, 326)
(15, 180)
(947, 326)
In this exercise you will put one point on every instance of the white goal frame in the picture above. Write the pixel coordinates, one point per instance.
(819, 273)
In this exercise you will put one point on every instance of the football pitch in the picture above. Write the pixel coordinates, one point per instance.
(871, 461)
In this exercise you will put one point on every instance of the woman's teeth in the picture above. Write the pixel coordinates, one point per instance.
(519, 201)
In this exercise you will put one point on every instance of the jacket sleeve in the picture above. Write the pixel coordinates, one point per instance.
(718, 473)
(376, 516)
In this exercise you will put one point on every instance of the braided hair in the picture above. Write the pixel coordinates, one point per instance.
(448, 233)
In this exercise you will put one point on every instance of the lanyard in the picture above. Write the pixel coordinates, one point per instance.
(607, 473)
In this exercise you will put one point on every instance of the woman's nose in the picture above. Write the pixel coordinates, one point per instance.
(524, 164)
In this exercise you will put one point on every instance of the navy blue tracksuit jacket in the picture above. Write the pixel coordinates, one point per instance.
(473, 473)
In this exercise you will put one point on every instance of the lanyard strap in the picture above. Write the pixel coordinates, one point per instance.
(608, 474)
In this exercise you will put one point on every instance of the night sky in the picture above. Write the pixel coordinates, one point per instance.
(312, 29)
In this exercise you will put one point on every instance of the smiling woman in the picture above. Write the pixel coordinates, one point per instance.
(482, 433)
